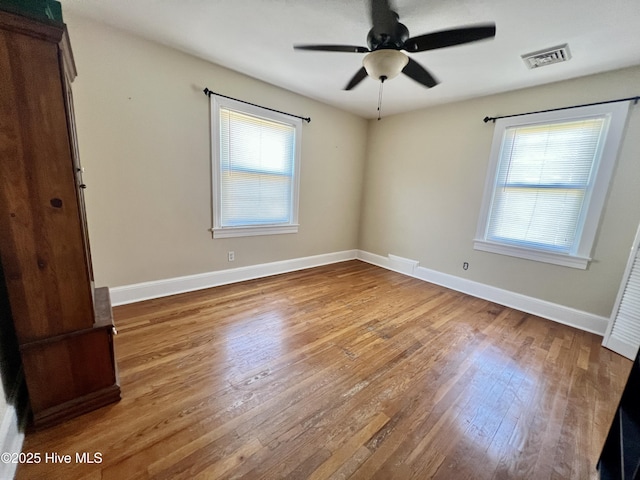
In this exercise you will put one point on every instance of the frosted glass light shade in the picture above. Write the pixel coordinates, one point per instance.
(385, 63)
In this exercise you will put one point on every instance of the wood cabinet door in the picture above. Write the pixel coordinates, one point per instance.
(41, 238)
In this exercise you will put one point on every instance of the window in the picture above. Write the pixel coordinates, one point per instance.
(256, 167)
(547, 182)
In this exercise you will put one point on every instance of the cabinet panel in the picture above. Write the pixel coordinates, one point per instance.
(41, 239)
(77, 167)
(59, 359)
(63, 325)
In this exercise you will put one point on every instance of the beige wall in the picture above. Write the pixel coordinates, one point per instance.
(143, 128)
(144, 138)
(424, 183)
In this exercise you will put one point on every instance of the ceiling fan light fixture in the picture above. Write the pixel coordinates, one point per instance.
(385, 63)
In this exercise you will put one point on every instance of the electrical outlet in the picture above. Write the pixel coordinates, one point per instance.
(465, 266)
(232, 256)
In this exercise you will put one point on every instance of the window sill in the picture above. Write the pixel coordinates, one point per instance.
(229, 232)
(565, 260)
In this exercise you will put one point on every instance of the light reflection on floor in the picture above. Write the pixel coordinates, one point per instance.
(265, 333)
(493, 414)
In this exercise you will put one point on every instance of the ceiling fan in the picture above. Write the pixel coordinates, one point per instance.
(388, 39)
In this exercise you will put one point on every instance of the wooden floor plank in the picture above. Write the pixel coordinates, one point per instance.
(346, 371)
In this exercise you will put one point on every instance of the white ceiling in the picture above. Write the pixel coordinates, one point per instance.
(256, 37)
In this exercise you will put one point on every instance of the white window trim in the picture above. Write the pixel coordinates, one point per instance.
(594, 202)
(218, 230)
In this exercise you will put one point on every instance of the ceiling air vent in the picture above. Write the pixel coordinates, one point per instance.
(547, 56)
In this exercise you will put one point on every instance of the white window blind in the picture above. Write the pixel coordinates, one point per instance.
(547, 183)
(256, 170)
(256, 163)
(544, 176)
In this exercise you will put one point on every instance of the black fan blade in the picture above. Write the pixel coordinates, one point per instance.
(383, 19)
(357, 78)
(415, 71)
(449, 38)
(333, 48)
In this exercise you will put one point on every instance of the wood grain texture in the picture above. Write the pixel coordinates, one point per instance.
(67, 360)
(343, 371)
(41, 239)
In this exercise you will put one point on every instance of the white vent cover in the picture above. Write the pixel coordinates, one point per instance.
(547, 56)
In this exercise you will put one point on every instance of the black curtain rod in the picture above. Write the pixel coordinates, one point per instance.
(493, 119)
(208, 93)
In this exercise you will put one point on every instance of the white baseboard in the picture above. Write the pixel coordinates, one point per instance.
(12, 426)
(541, 308)
(172, 286)
(621, 347)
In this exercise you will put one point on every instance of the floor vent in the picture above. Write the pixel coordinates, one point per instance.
(547, 56)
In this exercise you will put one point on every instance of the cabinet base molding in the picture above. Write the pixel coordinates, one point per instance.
(73, 408)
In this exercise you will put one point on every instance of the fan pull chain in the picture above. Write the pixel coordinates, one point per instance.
(382, 79)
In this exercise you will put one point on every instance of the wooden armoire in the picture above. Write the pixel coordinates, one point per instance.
(63, 325)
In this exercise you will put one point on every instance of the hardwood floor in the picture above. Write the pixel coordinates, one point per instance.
(342, 371)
